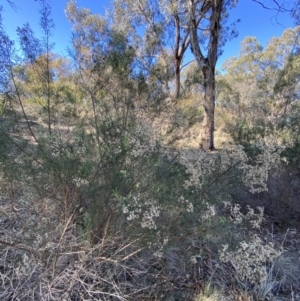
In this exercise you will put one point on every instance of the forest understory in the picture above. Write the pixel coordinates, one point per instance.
(52, 249)
(126, 174)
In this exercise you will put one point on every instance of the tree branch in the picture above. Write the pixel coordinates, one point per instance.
(12, 4)
(279, 8)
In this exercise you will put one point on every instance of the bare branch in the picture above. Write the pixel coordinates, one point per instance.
(187, 64)
(278, 7)
(12, 4)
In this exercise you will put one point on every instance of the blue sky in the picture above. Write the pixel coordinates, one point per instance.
(255, 21)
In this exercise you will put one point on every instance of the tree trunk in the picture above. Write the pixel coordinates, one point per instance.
(177, 57)
(207, 139)
(177, 78)
(207, 64)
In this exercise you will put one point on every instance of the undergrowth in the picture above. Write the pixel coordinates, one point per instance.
(98, 203)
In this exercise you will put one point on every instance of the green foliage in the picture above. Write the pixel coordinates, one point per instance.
(2, 106)
(261, 86)
(193, 77)
(290, 135)
(245, 134)
(292, 153)
(258, 75)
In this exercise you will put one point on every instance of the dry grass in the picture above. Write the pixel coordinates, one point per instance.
(43, 257)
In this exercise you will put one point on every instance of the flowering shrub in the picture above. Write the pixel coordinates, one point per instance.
(255, 219)
(108, 177)
(250, 259)
(254, 174)
(144, 210)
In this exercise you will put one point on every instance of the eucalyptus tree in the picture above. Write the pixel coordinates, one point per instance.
(263, 83)
(160, 25)
(160, 34)
(107, 71)
(208, 34)
(33, 48)
(237, 87)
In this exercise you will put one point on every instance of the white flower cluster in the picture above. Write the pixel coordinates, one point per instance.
(142, 141)
(147, 220)
(187, 203)
(56, 149)
(238, 217)
(134, 214)
(197, 170)
(159, 244)
(114, 146)
(80, 182)
(254, 176)
(134, 209)
(209, 212)
(113, 141)
(250, 259)
(144, 210)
